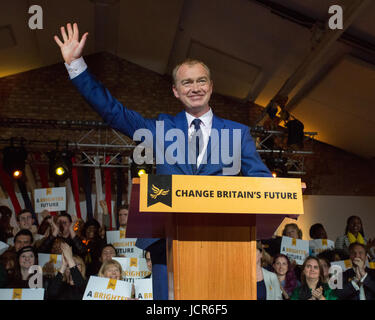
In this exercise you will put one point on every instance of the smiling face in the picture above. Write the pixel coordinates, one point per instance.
(311, 270)
(358, 251)
(123, 217)
(112, 272)
(355, 225)
(108, 253)
(91, 232)
(25, 220)
(193, 87)
(22, 241)
(291, 232)
(26, 260)
(281, 266)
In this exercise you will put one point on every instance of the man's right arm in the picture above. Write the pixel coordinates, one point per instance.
(112, 111)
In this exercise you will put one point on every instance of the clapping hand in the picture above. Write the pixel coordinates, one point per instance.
(359, 267)
(318, 293)
(67, 254)
(64, 264)
(54, 227)
(72, 47)
(71, 229)
(104, 207)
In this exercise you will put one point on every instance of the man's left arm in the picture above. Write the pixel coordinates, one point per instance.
(369, 281)
(251, 162)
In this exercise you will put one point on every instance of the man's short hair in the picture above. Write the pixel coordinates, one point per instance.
(64, 214)
(189, 62)
(123, 206)
(354, 244)
(22, 212)
(24, 232)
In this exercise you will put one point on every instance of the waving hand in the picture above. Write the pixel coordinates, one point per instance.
(72, 47)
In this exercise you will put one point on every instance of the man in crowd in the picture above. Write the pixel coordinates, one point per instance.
(25, 221)
(23, 238)
(64, 229)
(359, 281)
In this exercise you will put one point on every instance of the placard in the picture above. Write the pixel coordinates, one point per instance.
(347, 264)
(125, 247)
(133, 268)
(143, 289)
(107, 289)
(3, 247)
(56, 259)
(344, 264)
(51, 199)
(295, 249)
(220, 194)
(319, 245)
(22, 294)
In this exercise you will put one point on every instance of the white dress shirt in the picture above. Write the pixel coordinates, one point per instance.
(206, 125)
(76, 67)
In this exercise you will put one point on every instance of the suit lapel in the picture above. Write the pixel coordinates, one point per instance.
(181, 123)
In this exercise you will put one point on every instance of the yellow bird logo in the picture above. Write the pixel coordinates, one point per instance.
(158, 192)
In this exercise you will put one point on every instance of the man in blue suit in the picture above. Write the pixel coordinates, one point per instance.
(221, 147)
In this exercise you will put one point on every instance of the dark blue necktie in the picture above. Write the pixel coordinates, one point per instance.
(197, 127)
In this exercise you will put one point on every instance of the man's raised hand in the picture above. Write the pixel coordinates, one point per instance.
(71, 48)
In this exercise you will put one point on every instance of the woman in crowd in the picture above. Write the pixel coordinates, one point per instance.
(26, 257)
(354, 233)
(291, 230)
(285, 274)
(312, 283)
(268, 286)
(111, 269)
(108, 251)
(325, 264)
(69, 283)
(93, 241)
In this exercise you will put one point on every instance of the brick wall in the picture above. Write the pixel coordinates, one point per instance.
(47, 93)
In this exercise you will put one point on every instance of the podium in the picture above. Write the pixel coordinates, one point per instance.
(211, 224)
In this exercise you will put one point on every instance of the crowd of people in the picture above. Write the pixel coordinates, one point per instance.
(82, 245)
(85, 252)
(280, 278)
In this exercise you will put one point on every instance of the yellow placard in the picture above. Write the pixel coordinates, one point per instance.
(133, 262)
(53, 258)
(122, 234)
(220, 194)
(48, 191)
(112, 284)
(17, 294)
(324, 242)
(294, 242)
